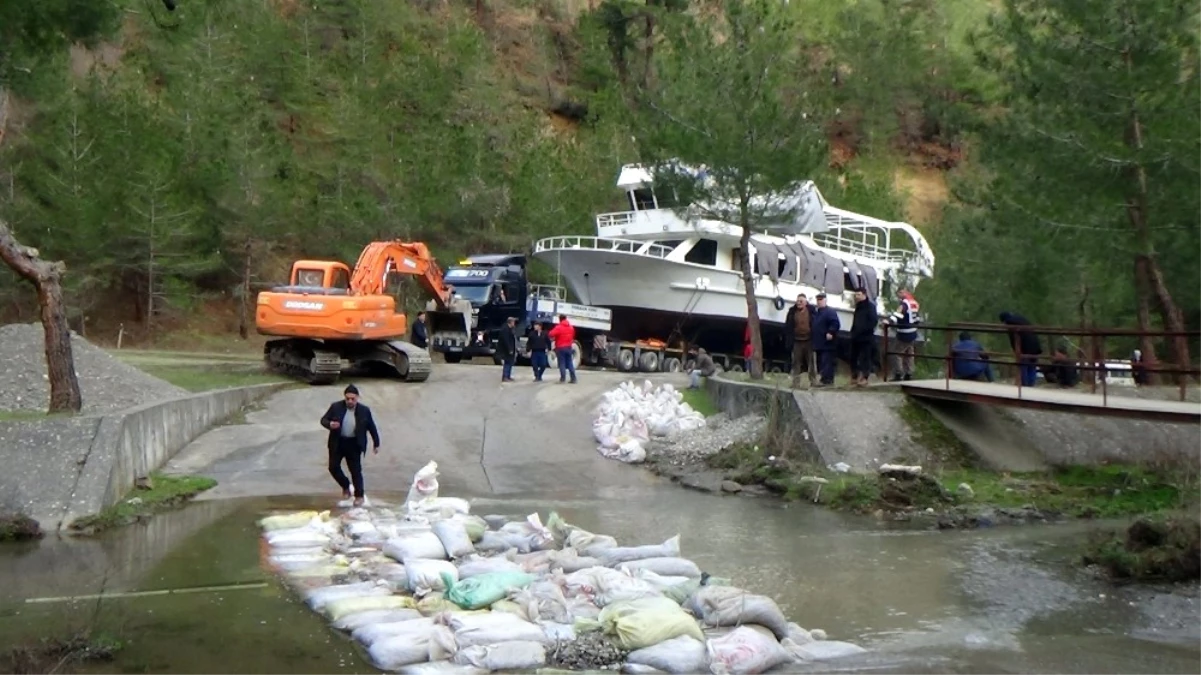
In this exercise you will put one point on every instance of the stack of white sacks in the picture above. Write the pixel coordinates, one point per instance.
(428, 587)
(631, 414)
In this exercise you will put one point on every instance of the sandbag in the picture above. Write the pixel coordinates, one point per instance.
(603, 586)
(427, 575)
(683, 592)
(319, 597)
(475, 526)
(394, 651)
(615, 556)
(289, 521)
(342, 607)
(558, 632)
(824, 650)
(492, 542)
(453, 536)
(639, 669)
(798, 635)
(435, 603)
(684, 654)
(569, 560)
(745, 651)
(446, 505)
(477, 566)
(422, 545)
(360, 528)
(642, 623)
(372, 633)
(510, 655)
(726, 606)
(297, 538)
(425, 485)
(492, 627)
(352, 622)
(440, 668)
(483, 590)
(671, 567)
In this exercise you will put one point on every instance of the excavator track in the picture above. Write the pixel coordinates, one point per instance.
(302, 360)
(420, 365)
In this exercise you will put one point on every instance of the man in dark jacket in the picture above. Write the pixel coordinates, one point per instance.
(349, 422)
(506, 347)
(798, 334)
(969, 360)
(421, 336)
(905, 320)
(1024, 341)
(539, 345)
(825, 333)
(863, 335)
(704, 368)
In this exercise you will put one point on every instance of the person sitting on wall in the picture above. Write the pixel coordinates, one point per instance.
(704, 367)
(969, 360)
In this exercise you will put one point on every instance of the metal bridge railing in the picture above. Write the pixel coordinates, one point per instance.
(1089, 357)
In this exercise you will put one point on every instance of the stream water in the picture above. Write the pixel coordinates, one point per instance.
(1002, 600)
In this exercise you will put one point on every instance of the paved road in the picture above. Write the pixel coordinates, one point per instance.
(488, 439)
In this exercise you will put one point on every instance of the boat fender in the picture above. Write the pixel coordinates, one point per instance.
(779, 302)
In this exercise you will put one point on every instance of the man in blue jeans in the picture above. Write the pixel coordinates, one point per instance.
(538, 344)
(506, 347)
(563, 337)
(1024, 341)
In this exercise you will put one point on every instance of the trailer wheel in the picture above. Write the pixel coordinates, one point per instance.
(577, 355)
(690, 365)
(671, 365)
(775, 368)
(648, 362)
(625, 360)
(735, 368)
(453, 358)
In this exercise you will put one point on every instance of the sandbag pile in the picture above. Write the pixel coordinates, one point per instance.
(429, 587)
(631, 415)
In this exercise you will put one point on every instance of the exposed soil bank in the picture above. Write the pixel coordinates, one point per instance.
(1150, 549)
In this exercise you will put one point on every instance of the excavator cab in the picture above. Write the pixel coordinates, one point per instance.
(318, 277)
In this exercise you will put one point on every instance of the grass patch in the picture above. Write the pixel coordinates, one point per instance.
(160, 493)
(30, 415)
(56, 655)
(700, 400)
(19, 527)
(210, 377)
(941, 443)
(1150, 549)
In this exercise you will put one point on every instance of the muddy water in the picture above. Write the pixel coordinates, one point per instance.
(1000, 600)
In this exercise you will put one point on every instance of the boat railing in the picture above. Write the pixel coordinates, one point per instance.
(619, 219)
(859, 247)
(602, 244)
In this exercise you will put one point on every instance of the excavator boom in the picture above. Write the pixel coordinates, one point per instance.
(381, 258)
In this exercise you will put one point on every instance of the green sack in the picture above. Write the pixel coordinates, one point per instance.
(684, 590)
(481, 591)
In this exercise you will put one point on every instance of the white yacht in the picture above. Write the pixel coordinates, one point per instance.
(661, 271)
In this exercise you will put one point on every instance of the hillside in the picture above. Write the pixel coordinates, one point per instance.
(189, 155)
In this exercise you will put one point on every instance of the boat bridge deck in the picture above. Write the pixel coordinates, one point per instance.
(1049, 398)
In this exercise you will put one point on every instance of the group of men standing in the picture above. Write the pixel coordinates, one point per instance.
(811, 332)
(538, 344)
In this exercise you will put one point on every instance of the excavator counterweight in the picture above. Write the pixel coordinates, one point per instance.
(330, 317)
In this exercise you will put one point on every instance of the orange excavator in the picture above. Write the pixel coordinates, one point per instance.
(329, 313)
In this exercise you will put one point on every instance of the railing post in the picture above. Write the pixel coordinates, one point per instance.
(1094, 353)
(1104, 373)
(884, 366)
(950, 360)
(1017, 357)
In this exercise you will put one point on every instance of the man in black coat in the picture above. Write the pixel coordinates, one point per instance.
(863, 337)
(798, 338)
(421, 336)
(506, 348)
(1025, 341)
(349, 422)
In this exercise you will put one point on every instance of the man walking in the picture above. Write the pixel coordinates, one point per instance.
(563, 337)
(421, 336)
(349, 422)
(824, 335)
(863, 334)
(538, 345)
(798, 329)
(506, 348)
(906, 320)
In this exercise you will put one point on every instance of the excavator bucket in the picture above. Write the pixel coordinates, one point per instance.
(450, 328)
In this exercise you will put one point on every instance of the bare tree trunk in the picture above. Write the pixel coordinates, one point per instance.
(1142, 287)
(1170, 314)
(752, 305)
(243, 318)
(46, 277)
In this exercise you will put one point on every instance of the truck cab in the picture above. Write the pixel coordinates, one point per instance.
(496, 287)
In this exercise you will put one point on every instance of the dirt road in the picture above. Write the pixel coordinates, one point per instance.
(488, 439)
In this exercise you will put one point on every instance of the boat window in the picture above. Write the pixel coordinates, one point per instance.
(643, 199)
(849, 281)
(672, 244)
(704, 252)
(783, 265)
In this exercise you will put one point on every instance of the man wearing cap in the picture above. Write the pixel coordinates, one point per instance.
(349, 422)
(506, 349)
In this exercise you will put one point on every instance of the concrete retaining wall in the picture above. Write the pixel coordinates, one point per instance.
(65, 469)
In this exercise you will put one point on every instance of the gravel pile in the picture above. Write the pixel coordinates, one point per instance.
(106, 384)
(589, 651)
(719, 433)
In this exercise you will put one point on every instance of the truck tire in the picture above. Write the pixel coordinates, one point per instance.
(625, 360)
(453, 358)
(577, 355)
(775, 368)
(671, 365)
(735, 368)
(648, 362)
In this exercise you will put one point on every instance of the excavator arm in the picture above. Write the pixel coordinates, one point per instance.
(381, 258)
